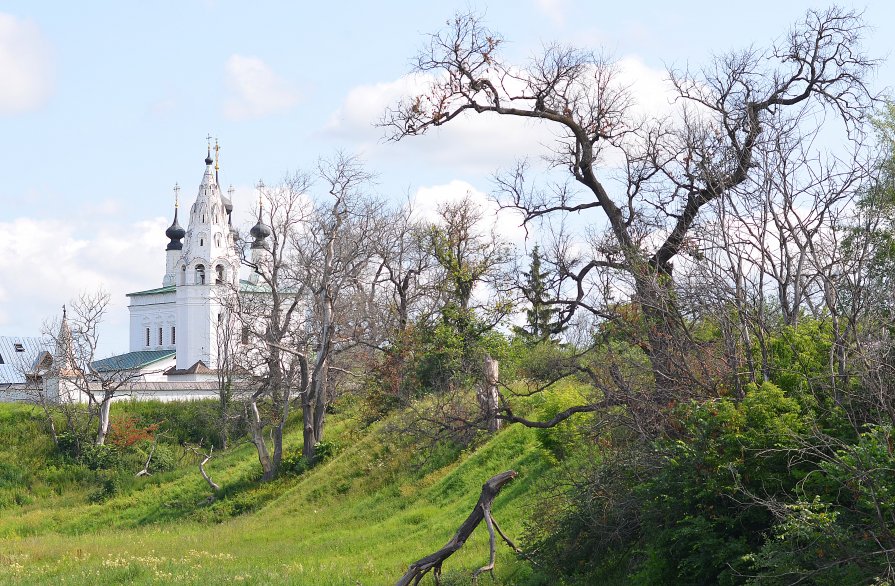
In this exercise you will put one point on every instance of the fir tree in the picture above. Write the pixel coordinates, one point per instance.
(539, 317)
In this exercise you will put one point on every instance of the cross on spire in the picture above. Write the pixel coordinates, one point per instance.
(176, 196)
(260, 187)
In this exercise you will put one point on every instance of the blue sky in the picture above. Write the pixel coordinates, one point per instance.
(104, 106)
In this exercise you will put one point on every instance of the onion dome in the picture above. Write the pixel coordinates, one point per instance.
(259, 232)
(176, 233)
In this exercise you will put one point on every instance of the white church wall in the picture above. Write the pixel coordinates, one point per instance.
(152, 311)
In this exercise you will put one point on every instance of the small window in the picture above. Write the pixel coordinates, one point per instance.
(19, 347)
(201, 242)
(220, 318)
(200, 274)
(1, 359)
(173, 335)
(219, 274)
(160, 336)
(147, 337)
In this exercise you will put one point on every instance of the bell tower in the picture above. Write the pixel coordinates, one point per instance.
(206, 273)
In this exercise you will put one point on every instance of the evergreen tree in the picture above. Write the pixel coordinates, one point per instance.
(539, 317)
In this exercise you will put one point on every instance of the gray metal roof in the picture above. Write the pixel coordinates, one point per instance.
(19, 356)
(131, 360)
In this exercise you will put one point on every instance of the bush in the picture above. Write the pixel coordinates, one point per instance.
(676, 510)
(109, 486)
(297, 464)
(103, 457)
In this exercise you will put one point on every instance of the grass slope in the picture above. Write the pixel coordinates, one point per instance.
(359, 518)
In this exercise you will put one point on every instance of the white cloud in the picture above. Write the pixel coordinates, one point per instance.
(506, 224)
(256, 90)
(474, 143)
(555, 10)
(49, 261)
(471, 143)
(25, 66)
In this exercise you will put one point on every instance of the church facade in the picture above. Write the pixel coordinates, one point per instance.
(179, 319)
(175, 329)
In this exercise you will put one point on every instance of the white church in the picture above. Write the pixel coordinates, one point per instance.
(173, 328)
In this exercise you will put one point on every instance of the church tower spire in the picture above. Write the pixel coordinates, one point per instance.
(259, 232)
(173, 251)
(209, 271)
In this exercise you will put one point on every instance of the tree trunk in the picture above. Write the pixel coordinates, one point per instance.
(487, 393)
(314, 401)
(655, 295)
(104, 411)
(257, 430)
(277, 436)
(309, 434)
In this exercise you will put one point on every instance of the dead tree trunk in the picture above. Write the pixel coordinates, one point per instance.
(211, 483)
(257, 429)
(482, 511)
(487, 394)
(145, 470)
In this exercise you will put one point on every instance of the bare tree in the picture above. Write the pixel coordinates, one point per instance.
(672, 168)
(334, 254)
(272, 319)
(310, 261)
(84, 387)
(405, 285)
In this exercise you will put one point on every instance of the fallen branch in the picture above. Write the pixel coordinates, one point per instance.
(145, 470)
(211, 483)
(206, 456)
(482, 511)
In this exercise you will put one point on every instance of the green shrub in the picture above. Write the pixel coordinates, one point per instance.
(109, 486)
(100, 457)
(295, 463)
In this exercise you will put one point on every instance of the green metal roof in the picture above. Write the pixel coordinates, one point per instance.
(244, 285)
(249, 287)
(168, 289)
(131, 360)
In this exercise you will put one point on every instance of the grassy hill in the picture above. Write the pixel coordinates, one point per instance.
(360, 517)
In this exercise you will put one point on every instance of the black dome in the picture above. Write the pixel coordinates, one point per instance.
(175, 232)
(259, 232)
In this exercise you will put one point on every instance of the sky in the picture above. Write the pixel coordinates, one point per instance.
(104, 106)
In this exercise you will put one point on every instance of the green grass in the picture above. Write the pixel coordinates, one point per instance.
(358, 518)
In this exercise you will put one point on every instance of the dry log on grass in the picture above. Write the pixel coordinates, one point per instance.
(481, 512)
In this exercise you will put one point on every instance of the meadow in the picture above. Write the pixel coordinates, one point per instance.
(360, 517)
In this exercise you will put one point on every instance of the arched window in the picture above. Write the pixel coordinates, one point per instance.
(200, 274)
(217, 239)
(219, 275)
(201, 242)
(214, 213)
